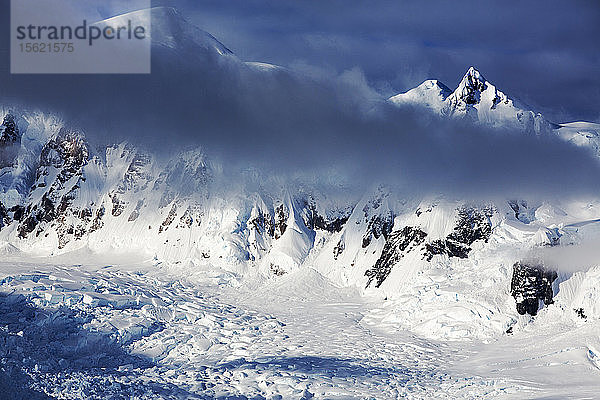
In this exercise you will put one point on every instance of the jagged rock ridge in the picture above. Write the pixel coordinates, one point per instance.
(396, 244)
(472, 224)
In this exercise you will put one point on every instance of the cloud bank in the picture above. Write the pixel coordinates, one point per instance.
(545, 52)
(309, 124)
(570, 259)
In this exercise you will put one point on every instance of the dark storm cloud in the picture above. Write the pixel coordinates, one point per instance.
(546, 53)
(313, 123)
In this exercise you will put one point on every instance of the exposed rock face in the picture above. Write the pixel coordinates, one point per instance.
(580, 313)
(18, 212)
(379, 220)
(67, 151)
(9, 131)
(378, 226)
(136, 212)
(117, 205)
(169, 220)
(334, 225)
(186, 219)
(339, 249)
(65, 156)
(269, 224)
(280, 224)
(4, 218)
(263, 223)
(469, 90)
(531, 284)
(10, 139)
(97, 223)
(314, 220)
(472, 224)
(396, 245)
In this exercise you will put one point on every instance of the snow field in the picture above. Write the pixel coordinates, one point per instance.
(74, 331)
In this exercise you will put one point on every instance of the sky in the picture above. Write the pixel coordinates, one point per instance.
(546, 53)
(324, 113)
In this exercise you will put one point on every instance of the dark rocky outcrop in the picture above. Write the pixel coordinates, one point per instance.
(474, 84)
(472, 224)
(186, 220)
(468, 92)
(379, 222)
(4, 218)
(136, 212)
(339, 249)
(315, 221)
(263, 223)
(272, 225)
(97, 223)
(333, 225)
(379, 225)
(169, 219)
(9, 131)
(580, 312)
(117, 205)
(10, 141)
(68, 151)
(18, 212)
(530, 284)
(448, 247)
(280, 221)
(67, 154)
(394, 249)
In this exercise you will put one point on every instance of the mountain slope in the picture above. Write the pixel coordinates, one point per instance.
(421, 254)
(445, 265)
(171, 30)
(431, 93)
(580, 133)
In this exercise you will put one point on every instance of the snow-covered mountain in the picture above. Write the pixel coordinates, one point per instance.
(431, 93)
(171, 30)
(581, 133)
(422, 254)
(475, 99)
(450, 268)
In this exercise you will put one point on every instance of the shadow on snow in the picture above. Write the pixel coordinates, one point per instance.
(316, 366)
(52, 346)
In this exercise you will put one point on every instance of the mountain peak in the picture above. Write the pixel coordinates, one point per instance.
(472, 71)
(435, 84)
(430, 93)
(472, 77)
(471, 86)
(475, 98)
(172, 30)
